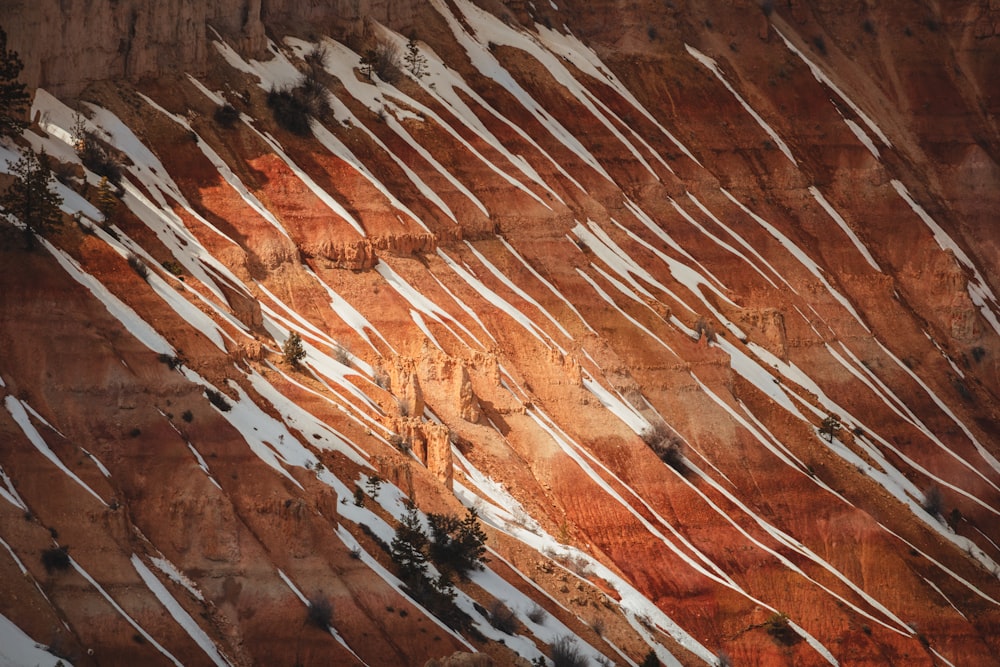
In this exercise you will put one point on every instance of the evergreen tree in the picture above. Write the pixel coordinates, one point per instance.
(14, 96)
(457, 546)
(415, 61)
(293, 350)
(29, 198)
(408, 548)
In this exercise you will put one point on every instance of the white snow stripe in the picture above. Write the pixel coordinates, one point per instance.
(131, 621)
(335, 206)
(517, 290)
(832, 212)
(17, 412)
(821, 76)
(714, 68)
(183, 619)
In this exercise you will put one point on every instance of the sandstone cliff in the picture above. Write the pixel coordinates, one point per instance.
(696, 308)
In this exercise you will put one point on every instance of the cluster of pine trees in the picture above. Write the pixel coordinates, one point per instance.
(454, 546)
(30, 197)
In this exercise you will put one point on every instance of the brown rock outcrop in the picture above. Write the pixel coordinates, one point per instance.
(468, 405)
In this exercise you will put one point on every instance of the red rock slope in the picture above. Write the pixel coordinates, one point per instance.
(601, 271)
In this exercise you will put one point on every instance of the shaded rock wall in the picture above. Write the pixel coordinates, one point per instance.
(68, 44)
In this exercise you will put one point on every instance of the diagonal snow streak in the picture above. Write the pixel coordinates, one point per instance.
(20, 416)
(821, 76)
(979, 290)
(179, 614)
(713, 67)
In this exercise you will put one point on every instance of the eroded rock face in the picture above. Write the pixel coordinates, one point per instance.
(643, 252)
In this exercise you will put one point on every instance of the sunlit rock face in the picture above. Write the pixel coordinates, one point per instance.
(694, 306)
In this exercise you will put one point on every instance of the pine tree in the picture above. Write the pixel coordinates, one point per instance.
(14, 96)
(457, 546)
(29, 198)
(408, 548)
(293, 350)
(415, 61)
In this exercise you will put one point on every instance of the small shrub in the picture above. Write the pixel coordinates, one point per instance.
(355, 553)
(136, 432)
(502, 618)
(381, 378)
(172, 267)
(138, 265)
(978, 353)
(226, 116)
(218, 400)
(402, 407)
(169, 360)
(706, 329)
(359, 497)
(292, 350)
(316, 61)
(722, 659)
(292, 107)
(373, 484)
(565, 653)
(56, 558)
(767, 6)
(781, 630)
(289, 112)
(537, 615)
(387, 62)
(830, 426)
(667, 446)
(320, 611)
(820, 44)
(652, 33)
(342, 355)
(650, 660)
(399, 443)
(932, 500)
(868, 26)
(597, 625)
(97, 158)
(187, 416)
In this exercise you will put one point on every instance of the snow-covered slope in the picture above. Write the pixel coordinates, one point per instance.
(609, 288)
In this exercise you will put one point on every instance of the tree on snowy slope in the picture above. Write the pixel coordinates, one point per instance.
(29, 198)
(409, 546)
(13, 94)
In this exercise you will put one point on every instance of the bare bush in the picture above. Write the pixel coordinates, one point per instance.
(56, 558)
(667, 446)
(226, 115)
(502, 618)
(565, 653)
(320, 611)
(138, 265)
(387, 62)
(932, 503)
(537, 615)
